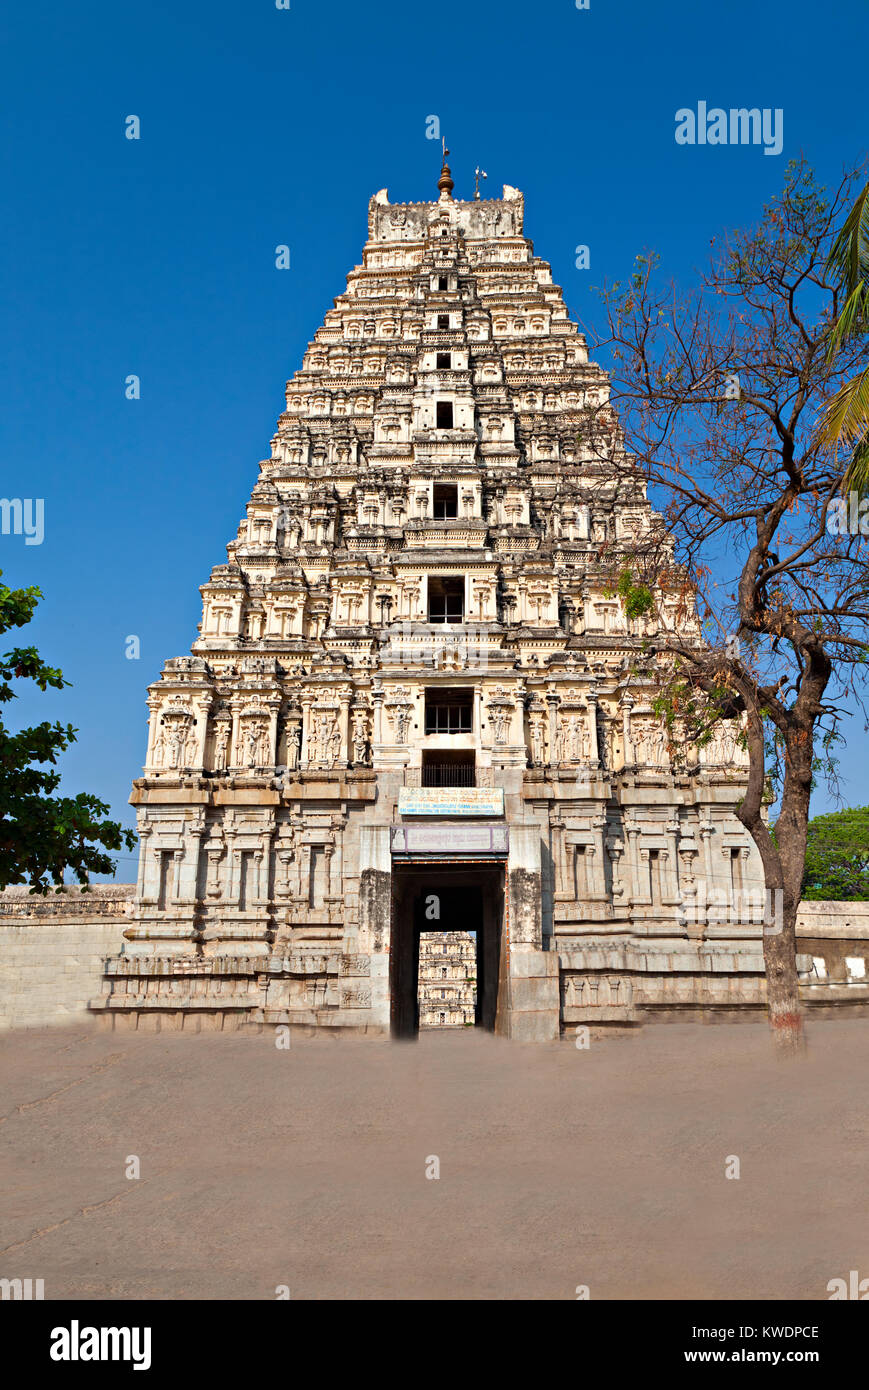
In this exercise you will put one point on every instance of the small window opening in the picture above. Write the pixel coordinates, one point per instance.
(446, 600)
(450, 711)
(445, 500)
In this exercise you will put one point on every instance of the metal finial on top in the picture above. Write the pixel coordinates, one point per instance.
(445, 182)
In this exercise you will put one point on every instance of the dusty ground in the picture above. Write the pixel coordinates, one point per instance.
(558, 1167)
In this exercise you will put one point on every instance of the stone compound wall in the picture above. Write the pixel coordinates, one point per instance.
(53, 950)
(661, 981)
(835, 936)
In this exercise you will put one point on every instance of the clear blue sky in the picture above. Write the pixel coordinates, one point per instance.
(259, 127)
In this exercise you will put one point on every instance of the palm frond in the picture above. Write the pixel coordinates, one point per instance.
(849, 258)
(856, 478)
(846, 417)
(848, 263)
(852, 317)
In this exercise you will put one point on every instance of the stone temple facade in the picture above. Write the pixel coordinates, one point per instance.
(447, 979)
(413, 678)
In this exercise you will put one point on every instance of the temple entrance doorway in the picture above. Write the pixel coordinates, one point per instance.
(446, 896)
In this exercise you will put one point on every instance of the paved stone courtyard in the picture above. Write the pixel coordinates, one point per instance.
(558, 1167)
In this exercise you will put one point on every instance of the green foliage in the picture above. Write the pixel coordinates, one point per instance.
(849, 263)
(696, 712)
(42, 835)
(636, 598)
(846, 418)
(837, 856)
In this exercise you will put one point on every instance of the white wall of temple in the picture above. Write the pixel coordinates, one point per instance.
(430, 436)
(261, 727)
(690, 873)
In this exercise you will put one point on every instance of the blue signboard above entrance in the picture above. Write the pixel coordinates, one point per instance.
(451, 801)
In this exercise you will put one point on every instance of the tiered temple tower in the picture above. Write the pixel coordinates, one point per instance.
(447, 979)
(413, 679)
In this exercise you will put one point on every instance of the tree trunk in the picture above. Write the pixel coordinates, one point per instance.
(780, 926)
(783, 872)
(782, 981)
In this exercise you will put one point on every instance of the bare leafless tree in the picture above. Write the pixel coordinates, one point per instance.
(718, 389)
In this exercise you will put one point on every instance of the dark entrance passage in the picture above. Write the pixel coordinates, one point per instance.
(465, 897)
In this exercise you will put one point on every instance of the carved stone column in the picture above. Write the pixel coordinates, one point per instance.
(336, 880)
(343, 728)
(690, 917)
(553, 701)
(627, 736)
(213, 852)
(644, 881)
(377, 697)
(260, 887)
(559, 855)
(707, 830)
(145, 833)
(305, 758)
(749, 909)
(591, 700)
(153, 728)
(633, 867)
(202, 708)
(235, 750)
(620, 886)
(305, 873)
(178, 860)
(284, 863)
(598, 887)
(330, 895)
(189, 879)
(233, 888)
(673, 896)
(274, 709)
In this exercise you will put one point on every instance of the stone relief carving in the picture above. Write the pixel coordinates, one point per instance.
(500, 714)
(222, 734)
(361, 736)
(325, 738)
(573, 738)
(399, 709)
(175, 743)
(537, 731)
(649, 739)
